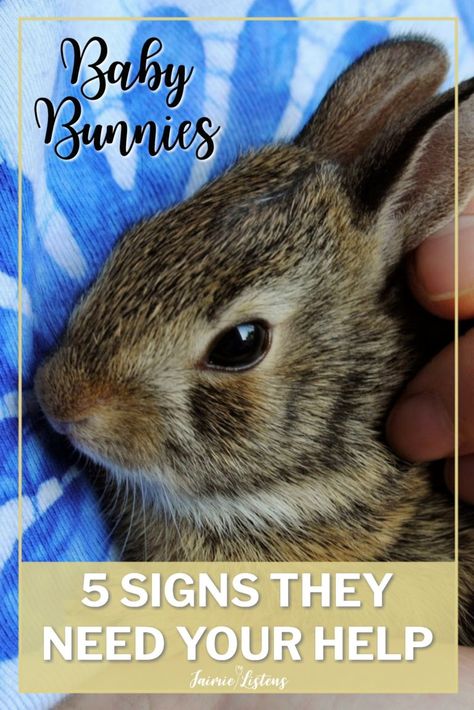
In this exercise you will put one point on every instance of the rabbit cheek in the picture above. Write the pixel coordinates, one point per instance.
(122, 436)
(221, 411)
(226, 417)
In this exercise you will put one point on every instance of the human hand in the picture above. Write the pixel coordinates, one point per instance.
(421, 424)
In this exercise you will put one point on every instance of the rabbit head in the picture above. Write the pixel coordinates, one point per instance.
(248, 341)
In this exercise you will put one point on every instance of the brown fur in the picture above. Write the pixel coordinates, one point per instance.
(285, 461)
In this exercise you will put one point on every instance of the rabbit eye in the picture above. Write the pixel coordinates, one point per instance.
(239, 347)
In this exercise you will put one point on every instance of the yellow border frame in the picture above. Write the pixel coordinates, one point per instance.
(453, 19)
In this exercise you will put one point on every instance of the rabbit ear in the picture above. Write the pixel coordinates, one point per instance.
(390, 80)
(419, 196)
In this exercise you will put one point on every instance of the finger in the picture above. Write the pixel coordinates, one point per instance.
(466, 477)
(431, 269)
(421, 424)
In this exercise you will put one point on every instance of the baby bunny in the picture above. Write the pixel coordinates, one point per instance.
(237, 356)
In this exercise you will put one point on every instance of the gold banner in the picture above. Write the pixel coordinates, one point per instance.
(238, 627)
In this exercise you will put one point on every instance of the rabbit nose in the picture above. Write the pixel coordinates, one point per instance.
(68, 398)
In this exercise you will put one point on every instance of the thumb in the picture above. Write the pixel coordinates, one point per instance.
(421, 424)
(431, 269)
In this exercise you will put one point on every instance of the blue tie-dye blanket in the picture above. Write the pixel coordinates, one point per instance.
(259, 80)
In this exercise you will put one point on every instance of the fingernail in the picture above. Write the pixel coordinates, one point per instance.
(420, 428)
(433, 261)
(466, 477)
